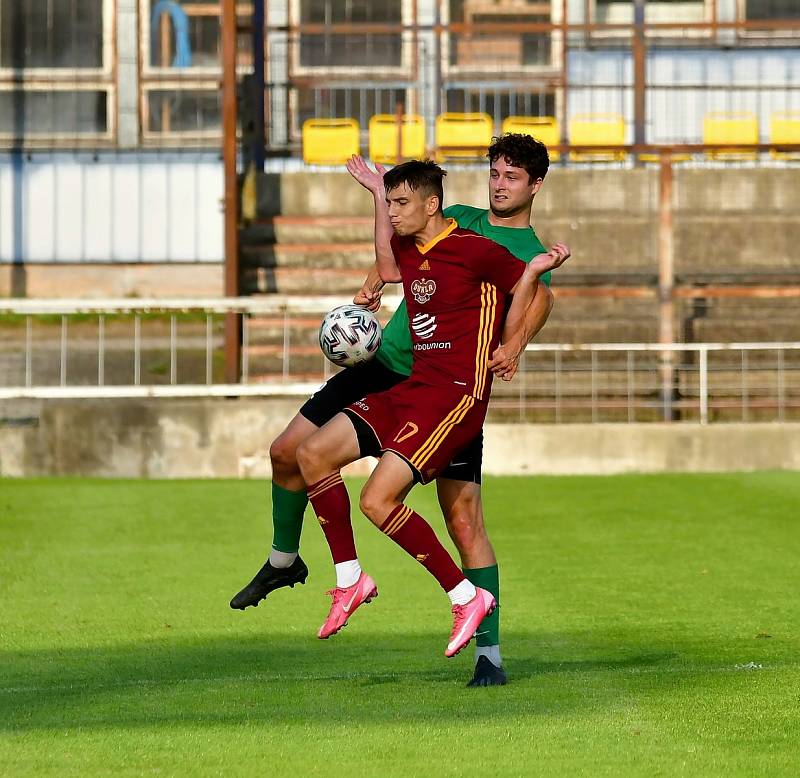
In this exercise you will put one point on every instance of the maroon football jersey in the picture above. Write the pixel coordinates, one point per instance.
(455, 288)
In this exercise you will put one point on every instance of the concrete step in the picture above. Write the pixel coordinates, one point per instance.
(741, 308)
(305, 281)
(745, 330)
(307, 229)
(309, 256)
(716, 242)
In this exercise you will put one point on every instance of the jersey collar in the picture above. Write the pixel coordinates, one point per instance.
(451, 225)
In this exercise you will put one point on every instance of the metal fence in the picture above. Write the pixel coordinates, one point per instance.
(158, 348)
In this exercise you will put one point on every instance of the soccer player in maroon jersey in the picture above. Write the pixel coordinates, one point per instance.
(456, 284)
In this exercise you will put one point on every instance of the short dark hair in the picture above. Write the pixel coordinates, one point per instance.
(522, 151)
(421, 175)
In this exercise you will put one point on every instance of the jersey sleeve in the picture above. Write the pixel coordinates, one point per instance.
(537, 247)
(497, 265)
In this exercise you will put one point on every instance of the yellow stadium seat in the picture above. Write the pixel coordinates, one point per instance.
(657, 157)
(784, 127)
(383, 137)
(731, 129)
(543, 128)
(597, 129)
(330, 141)
(463, 135)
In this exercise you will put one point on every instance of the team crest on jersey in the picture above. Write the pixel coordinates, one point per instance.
(423, 289)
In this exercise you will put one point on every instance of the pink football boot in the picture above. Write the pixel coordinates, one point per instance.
(466, 619)
(345, 601)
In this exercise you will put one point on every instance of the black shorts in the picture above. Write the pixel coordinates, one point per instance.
(355, 383)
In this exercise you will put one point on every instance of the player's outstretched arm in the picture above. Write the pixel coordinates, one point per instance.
(525, 320)
(372, 181)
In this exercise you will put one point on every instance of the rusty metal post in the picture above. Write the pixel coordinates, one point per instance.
(165, 34)
(233, 325)
(666, 285)
(639, 74)
(563, 113)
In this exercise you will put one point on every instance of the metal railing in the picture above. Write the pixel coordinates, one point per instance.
(202, 334)
(667, 382)
(595, 382)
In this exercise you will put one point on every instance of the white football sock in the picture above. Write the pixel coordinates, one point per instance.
(492, 653)
(282, 558)
(347, 573)
(462, 593)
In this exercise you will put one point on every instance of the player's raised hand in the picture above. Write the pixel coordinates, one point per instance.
(368, 178)
(505, 361)
(369, 298)
(543, 263)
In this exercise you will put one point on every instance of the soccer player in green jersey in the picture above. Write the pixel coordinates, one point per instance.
(518, 165)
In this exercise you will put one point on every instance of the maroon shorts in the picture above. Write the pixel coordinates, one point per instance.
(425, 425)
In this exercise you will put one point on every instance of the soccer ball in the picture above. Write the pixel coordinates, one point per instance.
(350, 335)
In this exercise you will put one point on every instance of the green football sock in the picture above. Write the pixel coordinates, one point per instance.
(287, 518)
(488, 578)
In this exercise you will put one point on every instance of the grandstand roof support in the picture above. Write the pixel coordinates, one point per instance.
(233, 321)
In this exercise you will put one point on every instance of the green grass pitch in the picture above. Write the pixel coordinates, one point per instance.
(650, 627)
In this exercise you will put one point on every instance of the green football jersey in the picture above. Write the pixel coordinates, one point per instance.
(395, 351)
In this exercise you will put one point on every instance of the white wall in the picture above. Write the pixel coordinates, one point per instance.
(112, 208)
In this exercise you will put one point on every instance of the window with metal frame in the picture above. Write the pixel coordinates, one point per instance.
(56, 72)
(500, 50)
(323, 50)
(757, 10)
(656, 11)
(179, 46)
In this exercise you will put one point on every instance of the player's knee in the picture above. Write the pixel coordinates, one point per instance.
(367, 502)
(373, 505)
(309, 456)
(465, 522)
(283, 454)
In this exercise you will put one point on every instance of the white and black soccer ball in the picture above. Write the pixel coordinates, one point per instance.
(350, 335)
